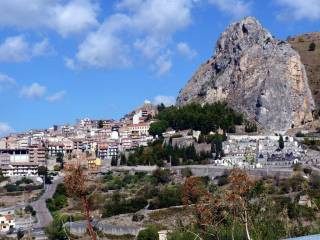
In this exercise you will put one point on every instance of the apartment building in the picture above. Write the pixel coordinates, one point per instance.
(21, 169)
(139, 129)
(37, 154)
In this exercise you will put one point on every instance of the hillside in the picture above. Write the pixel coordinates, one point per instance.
(311, 60)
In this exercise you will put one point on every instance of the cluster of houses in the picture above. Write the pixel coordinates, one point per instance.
(100, 141)
(260, 151)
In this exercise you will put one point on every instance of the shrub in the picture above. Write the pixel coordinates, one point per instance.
(307, 170)
(150, 233)
(118, 205)
(29, 209)
(300, 134)
(59, 199)
(250, 127)
(186, 172)
(162, 175)
(11, 188)
(56, 168)
(223, 180)
(137, 217)
(312, 46)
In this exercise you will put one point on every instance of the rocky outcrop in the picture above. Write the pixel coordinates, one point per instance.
(255, 74)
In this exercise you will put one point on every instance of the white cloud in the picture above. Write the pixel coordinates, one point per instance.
(166, 100)
(17, 49)
(149, 47)
(137, 28)
(41, 48)
(65, 17)
(57, 96)
(5, 129)
(69, 62)
(34, 91)
(162, 65)
(6, 81)
(184, 49)
(300, 9)
(103, 50)
(235, 8)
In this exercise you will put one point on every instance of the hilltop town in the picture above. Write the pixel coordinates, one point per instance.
(232, 159)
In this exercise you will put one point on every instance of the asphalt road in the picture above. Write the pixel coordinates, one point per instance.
(43, 215)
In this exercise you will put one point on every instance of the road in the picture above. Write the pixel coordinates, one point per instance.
(43, 214)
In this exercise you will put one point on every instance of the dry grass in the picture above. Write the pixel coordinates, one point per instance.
(311, 60)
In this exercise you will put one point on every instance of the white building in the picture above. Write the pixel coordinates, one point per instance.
(21, 169)
(7, 223)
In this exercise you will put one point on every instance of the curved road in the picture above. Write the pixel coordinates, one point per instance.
(43, 214)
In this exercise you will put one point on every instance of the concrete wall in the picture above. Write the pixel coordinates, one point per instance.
(79, 228)
(215, 171)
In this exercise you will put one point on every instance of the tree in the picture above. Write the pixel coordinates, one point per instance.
(161, 107)
(193, 190)
(56, 168)
(250, 127)
(114, 161)
(100, 124)
(42, 171)
(76, 185)
(281, 142)
(237, 198)
(157, 128)
(312, 46)
(123, 159)
(29, 209)
(162, 175)
(20, 234)
(59, 159)
(186, 172)
(150, 233)
(55, 230)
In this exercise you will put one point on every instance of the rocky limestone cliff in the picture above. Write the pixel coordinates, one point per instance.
(255, 74)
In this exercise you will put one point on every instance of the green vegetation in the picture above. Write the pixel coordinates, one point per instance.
(29, 209)
(100, 124)
(312, 143)
(157, 153)
(155, 189)
(281, 142)
(300, 134)
(206, 118)
(312, 46)
(168, 196)
(250, 127)
(150, 233)
(268, 208)
(24, 184)
(59, 199)
(119, 205)
(157, 128)
(55, 230)
(228, 207)
(60, 160)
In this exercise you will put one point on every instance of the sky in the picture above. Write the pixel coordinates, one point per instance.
(62, 60)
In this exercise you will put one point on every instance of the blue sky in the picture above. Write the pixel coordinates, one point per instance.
(66, 59)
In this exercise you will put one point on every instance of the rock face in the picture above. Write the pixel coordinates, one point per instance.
(255, 74)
